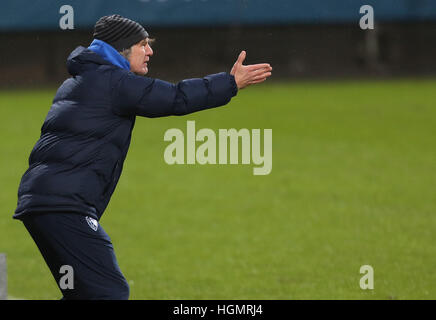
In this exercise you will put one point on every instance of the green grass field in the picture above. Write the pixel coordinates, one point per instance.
(353, 183)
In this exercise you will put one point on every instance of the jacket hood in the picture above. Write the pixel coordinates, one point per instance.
(82, 59)
(98, 53)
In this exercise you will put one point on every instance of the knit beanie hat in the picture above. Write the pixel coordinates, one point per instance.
(121, 33)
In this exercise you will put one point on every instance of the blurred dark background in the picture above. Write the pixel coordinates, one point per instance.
(312, 39)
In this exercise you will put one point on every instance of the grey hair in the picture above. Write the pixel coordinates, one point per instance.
(126, 53)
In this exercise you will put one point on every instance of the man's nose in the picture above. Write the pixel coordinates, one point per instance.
(149, 51)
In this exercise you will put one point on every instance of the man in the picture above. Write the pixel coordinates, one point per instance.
(75, 165)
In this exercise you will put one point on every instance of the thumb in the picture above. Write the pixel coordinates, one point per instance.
(241, 57)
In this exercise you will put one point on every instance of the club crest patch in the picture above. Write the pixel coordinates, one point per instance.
(93, 224)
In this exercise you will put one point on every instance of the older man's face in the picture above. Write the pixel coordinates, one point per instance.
(140, 55)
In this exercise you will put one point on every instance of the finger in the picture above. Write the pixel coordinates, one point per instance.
(252, 67)
(253, 70)
(241, 57)
(238, 62)
(262, 76)
(264, 69)
(260, 72)
(256, 72)
(257, 81)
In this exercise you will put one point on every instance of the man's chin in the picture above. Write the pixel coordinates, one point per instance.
(141, 72)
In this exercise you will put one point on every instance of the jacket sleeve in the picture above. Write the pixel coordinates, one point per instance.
(147, 97)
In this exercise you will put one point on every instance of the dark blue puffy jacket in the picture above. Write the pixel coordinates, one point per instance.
(76, 163)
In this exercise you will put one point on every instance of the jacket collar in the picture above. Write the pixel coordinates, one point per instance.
(108, 53)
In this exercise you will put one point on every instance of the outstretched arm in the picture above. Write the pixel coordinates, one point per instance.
(147, 97)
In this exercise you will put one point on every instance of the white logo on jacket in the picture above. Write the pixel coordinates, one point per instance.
(93, 224)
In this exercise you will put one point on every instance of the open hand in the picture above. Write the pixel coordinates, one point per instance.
(249, 74)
